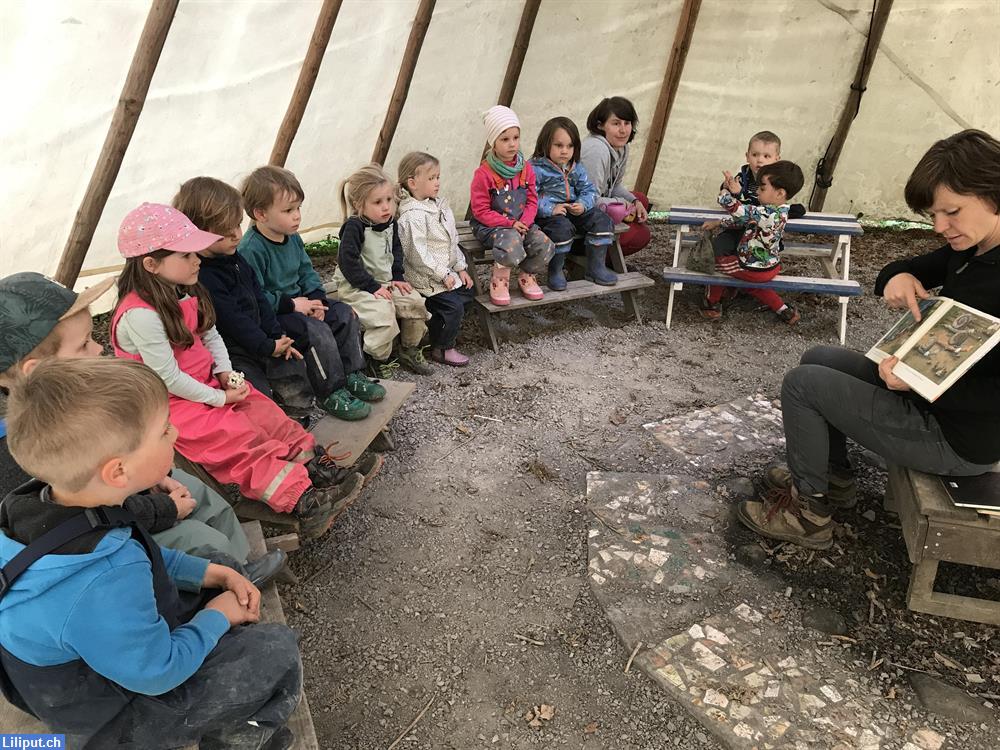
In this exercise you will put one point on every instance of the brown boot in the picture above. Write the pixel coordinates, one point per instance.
(500, 285)
(842, 489)
(789, 517)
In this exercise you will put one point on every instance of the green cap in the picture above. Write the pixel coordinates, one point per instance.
(30, 306)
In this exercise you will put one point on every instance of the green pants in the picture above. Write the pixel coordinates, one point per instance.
(212, 525)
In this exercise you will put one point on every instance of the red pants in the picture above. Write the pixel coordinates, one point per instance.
(730, 265)
(637, 236)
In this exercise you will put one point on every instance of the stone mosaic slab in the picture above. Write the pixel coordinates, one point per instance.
(713, 436)
(659, 567)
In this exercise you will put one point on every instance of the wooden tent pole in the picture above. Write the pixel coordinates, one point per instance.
(409, 63)
(307, 79)
(668, 92)
(824, 171)
(516, 61)
(123, 122)
(518, 51)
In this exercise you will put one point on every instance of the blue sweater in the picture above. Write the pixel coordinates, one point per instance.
(557, 186)
(98, 607)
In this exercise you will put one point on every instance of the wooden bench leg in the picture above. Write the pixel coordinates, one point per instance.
(487, 320)
(629, 299)
(921, 597)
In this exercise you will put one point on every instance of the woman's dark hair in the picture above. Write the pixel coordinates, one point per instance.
(548, 132)
(967, 163)
(618, 106)
(163, 298)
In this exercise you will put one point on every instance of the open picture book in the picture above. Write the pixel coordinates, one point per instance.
(935, 352)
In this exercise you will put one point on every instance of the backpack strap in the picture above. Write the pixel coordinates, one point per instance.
(92, 519)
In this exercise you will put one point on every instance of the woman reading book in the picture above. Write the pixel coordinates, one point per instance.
(835, 393)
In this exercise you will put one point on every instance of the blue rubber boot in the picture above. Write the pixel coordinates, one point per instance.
(557, 278)
(597, 271)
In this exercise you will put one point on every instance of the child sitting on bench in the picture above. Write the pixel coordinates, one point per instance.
(45, 320)
(756, 256)
(504, 204)
(567, 204)
(97, 639)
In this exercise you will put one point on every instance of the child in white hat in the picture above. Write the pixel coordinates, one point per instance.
(504, 205)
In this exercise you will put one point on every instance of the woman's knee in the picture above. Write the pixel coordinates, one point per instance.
(820, 355)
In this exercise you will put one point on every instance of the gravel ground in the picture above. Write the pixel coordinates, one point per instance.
(458, 580)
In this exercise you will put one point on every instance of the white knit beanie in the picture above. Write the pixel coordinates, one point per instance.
(497, 119)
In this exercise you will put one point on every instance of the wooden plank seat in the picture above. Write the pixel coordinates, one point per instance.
(814, 284)
(15, 721)
(835, 257)
(337, 436)
(476, 255)
(936, 530)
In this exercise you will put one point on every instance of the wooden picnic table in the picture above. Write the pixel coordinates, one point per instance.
(835, 257)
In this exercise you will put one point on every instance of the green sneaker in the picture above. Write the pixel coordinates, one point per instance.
(342, 405)
(413, 360)
(363, 388)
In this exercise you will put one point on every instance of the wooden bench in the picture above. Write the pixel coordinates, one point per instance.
(936, 530)
(14, 721)
(337, 436)
(835, 258)
(478, 255)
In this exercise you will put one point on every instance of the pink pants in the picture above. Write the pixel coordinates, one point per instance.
(637, 236)
(730, 265)
(250, 443)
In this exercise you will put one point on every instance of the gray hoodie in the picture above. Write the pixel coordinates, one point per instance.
(606, 168)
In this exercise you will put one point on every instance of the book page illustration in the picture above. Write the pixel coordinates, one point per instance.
(942, 350)
(906, 326)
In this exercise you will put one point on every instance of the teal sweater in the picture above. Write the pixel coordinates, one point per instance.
(283, 269)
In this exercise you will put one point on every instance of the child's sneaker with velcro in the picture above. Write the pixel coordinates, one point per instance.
(364, 388)
(789, 315)
(342, 404)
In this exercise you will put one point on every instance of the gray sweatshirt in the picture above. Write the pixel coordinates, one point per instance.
(606, 168)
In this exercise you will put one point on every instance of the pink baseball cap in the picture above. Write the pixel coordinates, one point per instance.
(154, 226)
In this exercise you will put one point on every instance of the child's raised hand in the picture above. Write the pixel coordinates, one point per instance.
(575, 208)
(466, 279)
(731, 183)
(559, 210)
(521, 227)
(403, 286)
(384, 292)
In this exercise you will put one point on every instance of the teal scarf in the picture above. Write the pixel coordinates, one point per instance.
(505, 170)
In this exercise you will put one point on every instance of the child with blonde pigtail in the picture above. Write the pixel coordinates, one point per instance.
(369, 274)
(432, 260)
(504, 205)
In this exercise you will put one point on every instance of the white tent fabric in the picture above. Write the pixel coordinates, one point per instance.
(228, 69)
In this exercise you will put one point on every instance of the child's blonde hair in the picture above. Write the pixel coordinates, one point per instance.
(69, 416)
(408, 167)
(265, 185)
(355, 189)
(210, 204)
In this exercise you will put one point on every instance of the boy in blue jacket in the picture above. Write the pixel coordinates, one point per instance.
(96, 639)
(567, 204)
(293, 364)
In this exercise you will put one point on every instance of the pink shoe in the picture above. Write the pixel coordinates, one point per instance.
(500, 285)
(451, 357)
(529, 286)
